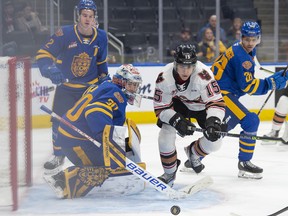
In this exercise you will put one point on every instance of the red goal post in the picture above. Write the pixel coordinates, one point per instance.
(15, 129)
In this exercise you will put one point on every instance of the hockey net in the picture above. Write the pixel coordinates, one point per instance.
(15, 129)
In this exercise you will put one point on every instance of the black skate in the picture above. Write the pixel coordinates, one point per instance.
(57, 183)
(54, 165)
(249, 170)
(193, 161)
(170, 178)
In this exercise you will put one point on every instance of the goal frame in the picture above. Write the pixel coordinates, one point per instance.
(13, 125)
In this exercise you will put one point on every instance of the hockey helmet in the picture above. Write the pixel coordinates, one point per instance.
(185, 54)
(251, 29)
(86, 4)
(126, 75)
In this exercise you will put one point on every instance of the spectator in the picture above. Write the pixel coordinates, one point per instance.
(234, 31)
(9, 47)
(212, 24)
(8, 17)
(185, 38)
(27, 20)
(208, 46)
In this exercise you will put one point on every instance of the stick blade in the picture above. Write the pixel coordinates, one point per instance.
(197, 186)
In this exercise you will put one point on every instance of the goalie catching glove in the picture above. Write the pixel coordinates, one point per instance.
(212, 125)
(182, 125)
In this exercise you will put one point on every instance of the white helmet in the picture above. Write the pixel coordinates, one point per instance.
(129, 79)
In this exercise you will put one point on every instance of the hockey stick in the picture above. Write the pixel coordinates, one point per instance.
(279, 212)
(264, 69)
(49, 89)
(272, 91)
(243, 136)
(144, 175)
(263, 105)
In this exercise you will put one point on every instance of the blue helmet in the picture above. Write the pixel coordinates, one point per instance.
(251, 29)
(86, 4)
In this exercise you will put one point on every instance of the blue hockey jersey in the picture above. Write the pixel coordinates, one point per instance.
(102, 105)
(77, 56)
(234, 72)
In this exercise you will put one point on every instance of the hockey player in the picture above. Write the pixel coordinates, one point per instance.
(187, 89)
(234, 71)
(74, 53)
(279, 117)
(98, 113)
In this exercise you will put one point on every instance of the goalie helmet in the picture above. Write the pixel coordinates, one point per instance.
(128, 78)
(185, 54)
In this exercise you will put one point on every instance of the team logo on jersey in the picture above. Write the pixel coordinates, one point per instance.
(93, 176)
(81, 64)
(247, 65)
(72, 45)
(119, 97)
(59, 32)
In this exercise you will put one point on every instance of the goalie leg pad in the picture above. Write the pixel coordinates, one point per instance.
(77, 181)
(133, 151)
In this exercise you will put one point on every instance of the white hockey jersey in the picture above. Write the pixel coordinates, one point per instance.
(201, 92)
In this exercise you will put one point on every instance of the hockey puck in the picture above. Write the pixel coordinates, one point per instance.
(175, 210)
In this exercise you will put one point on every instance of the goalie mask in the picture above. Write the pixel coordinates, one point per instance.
(129, 79)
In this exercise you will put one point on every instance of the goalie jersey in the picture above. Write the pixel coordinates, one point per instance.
(200, 92)
(76, 56)
(100, 106)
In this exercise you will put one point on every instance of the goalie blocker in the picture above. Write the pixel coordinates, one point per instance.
(110, 180)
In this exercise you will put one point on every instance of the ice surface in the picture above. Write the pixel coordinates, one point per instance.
(227, 196)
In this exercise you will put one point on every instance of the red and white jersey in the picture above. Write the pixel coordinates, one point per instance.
(200, 92)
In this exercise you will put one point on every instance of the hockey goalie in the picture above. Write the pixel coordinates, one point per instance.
(100, 113)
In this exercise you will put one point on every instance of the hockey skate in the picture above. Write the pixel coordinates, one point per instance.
(249, 170)
(54, 165)
(193, 161)
(56, 182)
(273, 133)
(170, 178)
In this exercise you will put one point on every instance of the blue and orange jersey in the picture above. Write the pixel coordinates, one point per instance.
(77, 56)
(100, 106)
(234, 72)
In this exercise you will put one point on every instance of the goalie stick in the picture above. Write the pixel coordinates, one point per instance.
(144, 175)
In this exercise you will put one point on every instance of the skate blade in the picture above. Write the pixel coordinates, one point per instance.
(248, 175)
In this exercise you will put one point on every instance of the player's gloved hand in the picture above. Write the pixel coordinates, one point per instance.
(103, 77)
(182, 125)
(278, 80)
(53, 73)
(212, 124)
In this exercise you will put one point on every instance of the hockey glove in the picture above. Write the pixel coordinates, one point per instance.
(212, 125)
(278, 80)
(182, 125)
(53, 73)
(103, 77)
